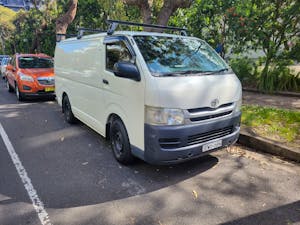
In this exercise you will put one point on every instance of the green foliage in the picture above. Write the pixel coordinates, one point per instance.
(246, 70)
(280, 78)
(216, 21)
(35, 30)
(272, 122)
(7, 27)
(94, 13)
(293, 52)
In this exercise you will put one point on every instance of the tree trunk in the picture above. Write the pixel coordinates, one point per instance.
(145, 8)
(168, 8)
(66, 19)
(2, 44)
(264, 84)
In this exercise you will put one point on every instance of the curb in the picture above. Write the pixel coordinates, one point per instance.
(268, 146)
(282, 93)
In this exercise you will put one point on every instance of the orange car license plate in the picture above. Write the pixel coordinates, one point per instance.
(48, 89)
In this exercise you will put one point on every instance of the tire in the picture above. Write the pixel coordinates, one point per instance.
(67, 110)
(120, 143)
(8, 86)
(20, 95)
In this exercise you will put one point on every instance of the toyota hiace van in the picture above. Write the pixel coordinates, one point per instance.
(164, 98)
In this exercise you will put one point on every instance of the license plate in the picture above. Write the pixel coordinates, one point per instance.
(211, 145)
(48, 89)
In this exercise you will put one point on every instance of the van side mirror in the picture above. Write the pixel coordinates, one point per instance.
(127, 70)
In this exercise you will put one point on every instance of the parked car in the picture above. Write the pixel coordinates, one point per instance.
(31, 75)
(5, 61)
(3, 56)
(161, 97)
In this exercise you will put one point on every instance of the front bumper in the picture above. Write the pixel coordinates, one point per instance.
(39, 94)
(182, 146)
(35, 90)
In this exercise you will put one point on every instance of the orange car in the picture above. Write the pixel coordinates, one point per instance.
(31, 75)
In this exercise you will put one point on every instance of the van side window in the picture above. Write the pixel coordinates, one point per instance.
(116, 52)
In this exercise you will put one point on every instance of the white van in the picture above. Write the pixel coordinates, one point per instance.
(163, 98)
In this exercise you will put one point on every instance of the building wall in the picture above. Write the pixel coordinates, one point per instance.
(16, 5)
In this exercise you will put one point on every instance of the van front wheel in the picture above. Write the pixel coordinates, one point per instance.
(69, 116)
(120, 143)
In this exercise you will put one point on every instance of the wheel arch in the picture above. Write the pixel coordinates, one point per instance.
(110, 119)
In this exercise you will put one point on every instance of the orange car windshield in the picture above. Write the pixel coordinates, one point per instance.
(35, 62)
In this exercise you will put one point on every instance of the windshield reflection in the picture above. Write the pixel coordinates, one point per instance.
(167, 56)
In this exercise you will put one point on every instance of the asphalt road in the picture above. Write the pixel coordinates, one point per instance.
(75, 176)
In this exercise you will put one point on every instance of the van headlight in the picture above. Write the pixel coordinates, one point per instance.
(25, 77)
(238, 105)
(163, 116)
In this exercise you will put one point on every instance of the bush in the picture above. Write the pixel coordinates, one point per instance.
(246, 70)
(280, 78)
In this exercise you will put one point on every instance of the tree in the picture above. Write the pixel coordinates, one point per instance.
(66, 19)
(167, 9)
(6, 26)
(94, 13)
(269, 25)
(35, 29)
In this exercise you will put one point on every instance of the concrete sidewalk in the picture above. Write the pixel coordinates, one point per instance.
(285, 101)
(252, 140)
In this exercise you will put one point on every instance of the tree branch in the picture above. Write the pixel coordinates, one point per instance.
(66, 19)
(169, 7)
(145, 8)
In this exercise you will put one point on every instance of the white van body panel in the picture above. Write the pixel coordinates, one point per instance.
(78, 64)
(192, 92)
(80, 69)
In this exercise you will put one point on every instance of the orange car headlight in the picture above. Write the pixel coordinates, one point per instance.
(26, 77)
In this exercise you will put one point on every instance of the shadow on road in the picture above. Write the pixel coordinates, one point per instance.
(73, 166)
(285, 214)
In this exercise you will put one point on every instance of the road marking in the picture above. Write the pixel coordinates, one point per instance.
(36, 202)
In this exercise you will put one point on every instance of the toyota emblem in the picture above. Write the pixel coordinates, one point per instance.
(214, 103)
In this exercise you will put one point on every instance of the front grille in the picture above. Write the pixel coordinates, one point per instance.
(205, 109)
(210, 116)
(206, 113)
(208, 136)
(46, 80)
(172, 143)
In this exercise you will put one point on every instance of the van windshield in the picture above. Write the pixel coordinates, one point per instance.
(35, 62)
(179, 56)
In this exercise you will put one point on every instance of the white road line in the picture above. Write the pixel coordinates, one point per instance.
(36, 202)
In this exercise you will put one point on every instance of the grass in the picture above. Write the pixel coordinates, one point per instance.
(277, 124)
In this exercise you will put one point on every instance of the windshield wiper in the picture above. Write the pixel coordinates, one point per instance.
(217, 71)
(186, 72)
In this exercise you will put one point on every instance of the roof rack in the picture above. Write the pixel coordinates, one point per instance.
(59, 36)
(113, 24)
(81, 31)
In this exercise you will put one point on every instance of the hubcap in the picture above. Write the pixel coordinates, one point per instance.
(118, 143)
(67, 110)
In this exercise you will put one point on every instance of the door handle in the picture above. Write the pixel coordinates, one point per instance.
(105, 82)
